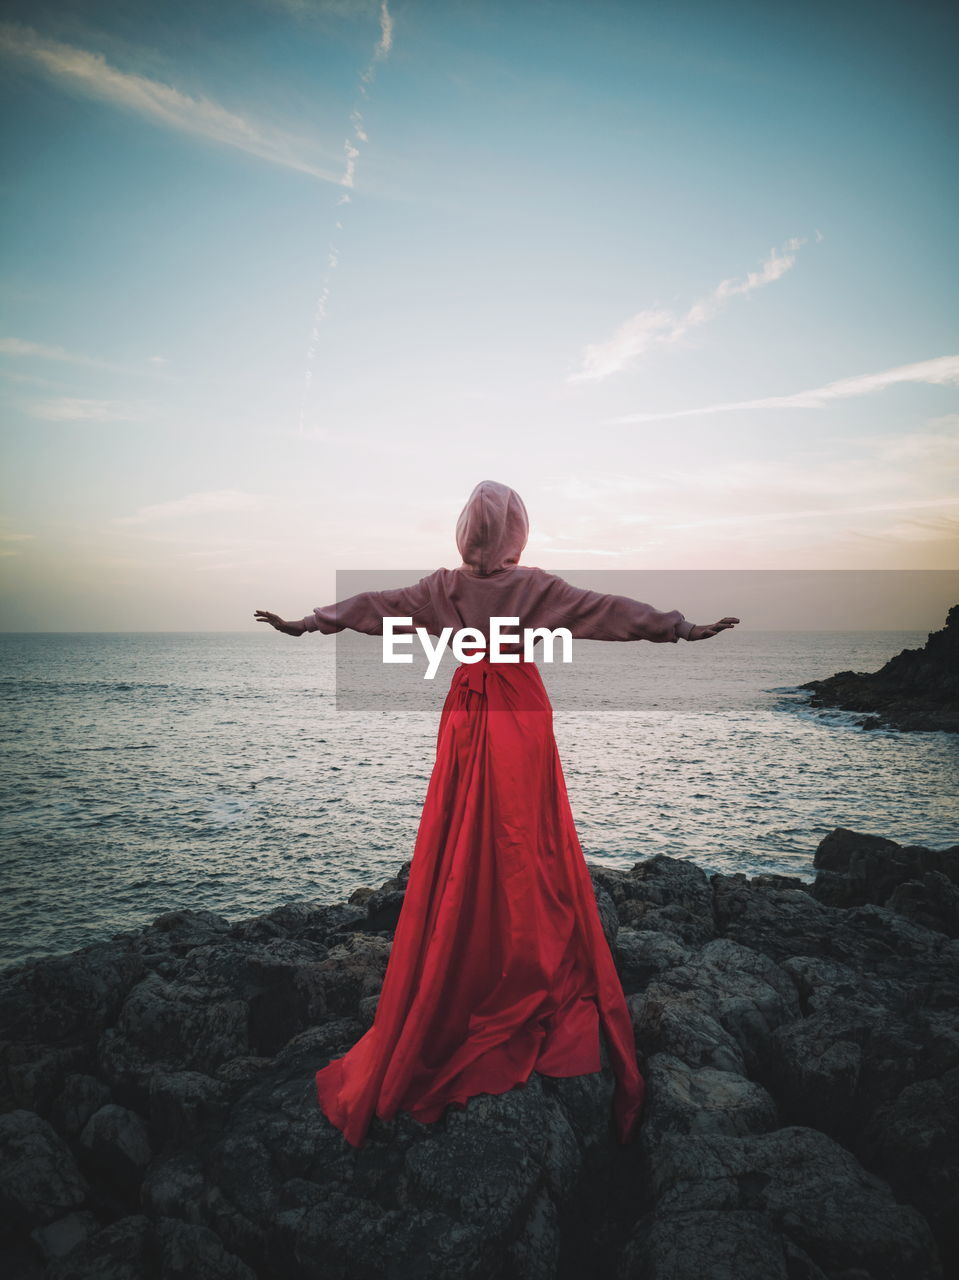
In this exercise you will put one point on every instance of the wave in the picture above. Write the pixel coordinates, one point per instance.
(124, 686)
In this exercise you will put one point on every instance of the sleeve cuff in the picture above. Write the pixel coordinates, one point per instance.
(309, 623)
(683, 628)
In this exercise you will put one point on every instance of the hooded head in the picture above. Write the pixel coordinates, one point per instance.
(492, 528)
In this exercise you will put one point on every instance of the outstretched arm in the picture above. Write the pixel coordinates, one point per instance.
(363, 612)
(592, 615)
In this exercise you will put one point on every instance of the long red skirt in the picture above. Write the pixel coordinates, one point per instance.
(499, 965)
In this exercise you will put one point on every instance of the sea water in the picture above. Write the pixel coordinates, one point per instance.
(144, 772)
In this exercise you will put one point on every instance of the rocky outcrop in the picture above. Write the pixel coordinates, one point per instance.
(917, 689)
(800, 1043)
(921, 884)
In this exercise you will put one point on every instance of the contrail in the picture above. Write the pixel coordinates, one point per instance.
(351, 152)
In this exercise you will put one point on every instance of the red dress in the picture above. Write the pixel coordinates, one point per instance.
(499, 965)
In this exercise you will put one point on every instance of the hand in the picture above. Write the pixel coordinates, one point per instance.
(704, 631)
(274, 619)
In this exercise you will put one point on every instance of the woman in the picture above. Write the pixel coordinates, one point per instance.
(499, 965)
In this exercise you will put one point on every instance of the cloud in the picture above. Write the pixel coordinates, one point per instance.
(761, 504)
(657, 327)
(351, 153)
(69, 409)
(19, 347)
(206, 502)
(383, 46)
(942, 371)
(809, 513)
(14, 537)
(579, 551)
(319, 8)
(386, 33)
(941, 529)
(32, 378)
(91, 75)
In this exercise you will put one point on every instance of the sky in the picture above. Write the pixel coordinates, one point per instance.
(281, 280)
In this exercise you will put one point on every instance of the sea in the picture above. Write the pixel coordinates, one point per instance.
(144, 772)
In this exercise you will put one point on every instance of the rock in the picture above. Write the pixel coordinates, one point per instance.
(800, 1044)
(116, 1144)
(912, 1142)
(836, 851)
(643, 954)
(314, 922)
(185, 1103)
(383, 905)
(58, 1238)
(188, 929)
(921, 884)
(682, 1028)
(136, 1247)
(383, 910)
(174, 1024)
(352, 971)
(702, 1101)
(188, 1252)
(669, 895)
(932, 901)
(362, 895)
(536, 1253)
(81, 1096)
(732, 999)
(116, 1252)
(727, 1244)
(39, 1179)
(916, 689)
(797, 1179)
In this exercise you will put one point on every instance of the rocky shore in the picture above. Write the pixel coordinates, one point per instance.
(800, 1040)
(917, 689)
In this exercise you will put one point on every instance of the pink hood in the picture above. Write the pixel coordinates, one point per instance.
(492, 529)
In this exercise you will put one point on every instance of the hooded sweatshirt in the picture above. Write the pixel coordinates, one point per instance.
(491, 532)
